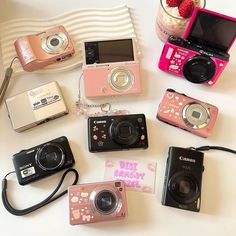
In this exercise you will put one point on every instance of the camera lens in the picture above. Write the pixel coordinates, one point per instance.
(123, 132)
(54, 42)
(196, 115)
(184, 188)
(105, 202)
(50, 157)
(199, 69)
(120, 79)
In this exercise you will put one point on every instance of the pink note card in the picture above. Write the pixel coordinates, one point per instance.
(137, 175)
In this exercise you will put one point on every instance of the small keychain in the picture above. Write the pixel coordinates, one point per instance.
(83, 108)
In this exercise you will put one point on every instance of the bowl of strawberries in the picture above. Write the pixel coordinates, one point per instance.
(173, 16)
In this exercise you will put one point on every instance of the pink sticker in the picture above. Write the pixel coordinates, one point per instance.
(137, 175)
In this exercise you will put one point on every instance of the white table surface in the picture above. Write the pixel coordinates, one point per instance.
(146, 213)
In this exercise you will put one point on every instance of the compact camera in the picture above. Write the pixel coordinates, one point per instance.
(36, 106)
(110, 68)
(113, 133)
(187, 113)
(203, 53)
(39, 50)
(183, 179)
(96, 202)
(43, 160)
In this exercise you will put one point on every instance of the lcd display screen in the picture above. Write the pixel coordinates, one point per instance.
(109, 51)
(212, 31)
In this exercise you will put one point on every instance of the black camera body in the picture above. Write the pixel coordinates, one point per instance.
(183, 179)
(120, 132)
(43, 160)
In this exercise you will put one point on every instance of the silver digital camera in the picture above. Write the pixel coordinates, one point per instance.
(36, 106)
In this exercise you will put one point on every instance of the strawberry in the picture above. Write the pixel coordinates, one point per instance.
(173, 3)
(186, 8)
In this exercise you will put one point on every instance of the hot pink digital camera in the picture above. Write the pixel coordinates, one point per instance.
(39, 50)
(187, 113)
(90, 203)
(202, 54)
(111, 68)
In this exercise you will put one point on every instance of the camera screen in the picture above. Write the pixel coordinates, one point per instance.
(109, 51)
(212, 31)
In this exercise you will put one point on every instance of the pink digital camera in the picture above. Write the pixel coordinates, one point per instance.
(187, 113)
(202, 54)
(111, 68)
(39, 50)
(90, 203)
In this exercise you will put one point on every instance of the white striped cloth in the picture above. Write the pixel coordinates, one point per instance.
(81, 24)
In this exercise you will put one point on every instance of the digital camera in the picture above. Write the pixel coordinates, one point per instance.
(39, 50)
(104, 201)
(110, 68)
(183, 179)
(113, 133)
(187, 113)
(43, 160)
(203, 53)
(36, 106)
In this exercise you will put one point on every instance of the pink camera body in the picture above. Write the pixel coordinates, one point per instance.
(39, 50)
(98, 81)
(174, 58)
(187, 113)
(111, 68)
(202, 54)
(90, 203)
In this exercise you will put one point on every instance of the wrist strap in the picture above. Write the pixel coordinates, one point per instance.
(6, 80)
(207, 148)
(46, 201)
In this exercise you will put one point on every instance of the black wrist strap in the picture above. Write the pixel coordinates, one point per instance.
(207, 148)
(46, 201)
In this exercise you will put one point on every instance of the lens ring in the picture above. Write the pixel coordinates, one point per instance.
(196, 115)
(120, 79)
(184, 188)
(48, 38)
(106, 202)
(50, 157)
(123, 132)
(199, 69)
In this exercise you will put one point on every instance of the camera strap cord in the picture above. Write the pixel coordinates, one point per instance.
(46, 201)
(207, 148)
(6, 80)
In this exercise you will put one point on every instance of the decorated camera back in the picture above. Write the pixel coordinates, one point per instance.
(120, 132)
(203, 53)
(187, 113)
(94, 202)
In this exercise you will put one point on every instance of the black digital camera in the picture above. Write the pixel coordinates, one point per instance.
(43, 160)
(110, 133)
(183, 179)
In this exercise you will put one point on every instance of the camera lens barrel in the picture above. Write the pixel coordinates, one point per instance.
(123, 132)
(199, 69)
(50, 157)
